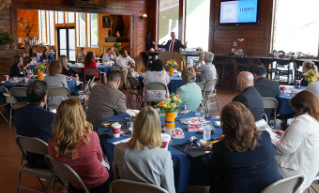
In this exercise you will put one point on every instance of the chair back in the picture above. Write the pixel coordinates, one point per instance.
(121, 185)
(154, 86)
(286, 185)
(92, 71)
(59, 91)
(65, 172)
(31, 144)
(18, 92)
(201, 85)
(77, 70)
(270, 103)
(134, 83)
(283, 61)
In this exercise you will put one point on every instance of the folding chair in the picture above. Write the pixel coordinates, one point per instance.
(58, 91)
(5, 119)
(79, 71)
(121, 186)
(286, 185)
(270, 103)
(316, 180)
(136, 90)
(16, 92)
(33, 145)
(65, 172)
(92, 71)
(210, 94)
(154, 86)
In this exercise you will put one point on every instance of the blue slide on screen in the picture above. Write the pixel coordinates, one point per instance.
(244, 11)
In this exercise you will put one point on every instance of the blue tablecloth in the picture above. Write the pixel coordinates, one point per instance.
(283, 102)
(176, 81)
(105, 69)
(71, 85)
(188, 171)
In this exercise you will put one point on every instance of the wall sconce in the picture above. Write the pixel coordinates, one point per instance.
(143, 16)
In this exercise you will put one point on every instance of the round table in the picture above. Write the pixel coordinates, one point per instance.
(283, 102)
(188, 171)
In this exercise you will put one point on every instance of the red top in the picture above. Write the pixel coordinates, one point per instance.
(88, 163)
(92, 65)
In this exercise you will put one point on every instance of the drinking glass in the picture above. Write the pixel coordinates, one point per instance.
(207, 129)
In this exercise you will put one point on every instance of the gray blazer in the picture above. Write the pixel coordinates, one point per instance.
(58, 80)
(154, 166)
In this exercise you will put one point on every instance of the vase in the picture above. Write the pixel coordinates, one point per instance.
(40, 75)
(171, 71)
(170, 120)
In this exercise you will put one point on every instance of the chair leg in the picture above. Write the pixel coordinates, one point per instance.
(43, 186)
(18, 182)
(10, 121)
(4, 118)
(223, 75)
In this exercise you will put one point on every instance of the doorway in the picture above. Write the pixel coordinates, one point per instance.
(66, 42)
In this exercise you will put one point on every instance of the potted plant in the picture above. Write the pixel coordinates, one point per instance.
(5, 40)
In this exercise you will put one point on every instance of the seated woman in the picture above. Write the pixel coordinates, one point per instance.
(157, 74)
(190, 92)
(243, 160)
(54, 78)
(63, 59)
(33, 55)
(17, 69)
(75, 144)
(297, 151)
(46, 58)
(306, 66)
(89, 63)
(141, 159)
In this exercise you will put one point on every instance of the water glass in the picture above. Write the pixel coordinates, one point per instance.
(207, 131)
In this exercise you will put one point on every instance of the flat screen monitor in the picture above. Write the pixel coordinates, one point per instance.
(237, 12)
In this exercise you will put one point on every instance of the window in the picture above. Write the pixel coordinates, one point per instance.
(81, 34)
(296, 26)
(168, 19)
(60, 17)
(50, 27)
(197, 23)
(93, 30)
(69, 16)
(42, 28)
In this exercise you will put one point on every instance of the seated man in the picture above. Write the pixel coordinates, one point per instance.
(265, 87)
(207, 70)
(81, 56)
(109, 56)
(34, 121)
(106, 100)
(249, 96)
(125, 63)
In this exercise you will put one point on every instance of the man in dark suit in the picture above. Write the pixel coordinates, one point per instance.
(34, 121)
(172, 45)
(265, 87)
(249, 96)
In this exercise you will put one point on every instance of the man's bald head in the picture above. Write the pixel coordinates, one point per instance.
(245, 79)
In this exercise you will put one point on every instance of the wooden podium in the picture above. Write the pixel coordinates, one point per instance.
(165, 56)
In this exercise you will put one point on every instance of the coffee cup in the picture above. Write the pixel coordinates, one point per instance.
(116, 129)
(6, 78)
(282, 88)
(166, 138)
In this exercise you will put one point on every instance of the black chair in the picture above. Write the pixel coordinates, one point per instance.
(270, 69)
(221, 65)
(283, 69)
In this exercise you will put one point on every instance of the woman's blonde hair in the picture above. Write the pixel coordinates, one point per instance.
(146, 130)
(239, 127)
(63, 59)
(188, 75)
(54, 68)
(70, 127)
(309, 65)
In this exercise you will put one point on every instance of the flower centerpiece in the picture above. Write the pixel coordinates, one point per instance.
(171, 65)
(170, 105)
(41, 68)
(311, 76)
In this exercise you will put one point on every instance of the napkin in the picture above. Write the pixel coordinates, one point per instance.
(132, 112)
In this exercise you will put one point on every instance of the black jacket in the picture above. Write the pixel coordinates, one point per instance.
(251, 98)
(178, 44)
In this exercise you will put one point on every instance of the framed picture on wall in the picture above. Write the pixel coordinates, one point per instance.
(106, 21)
